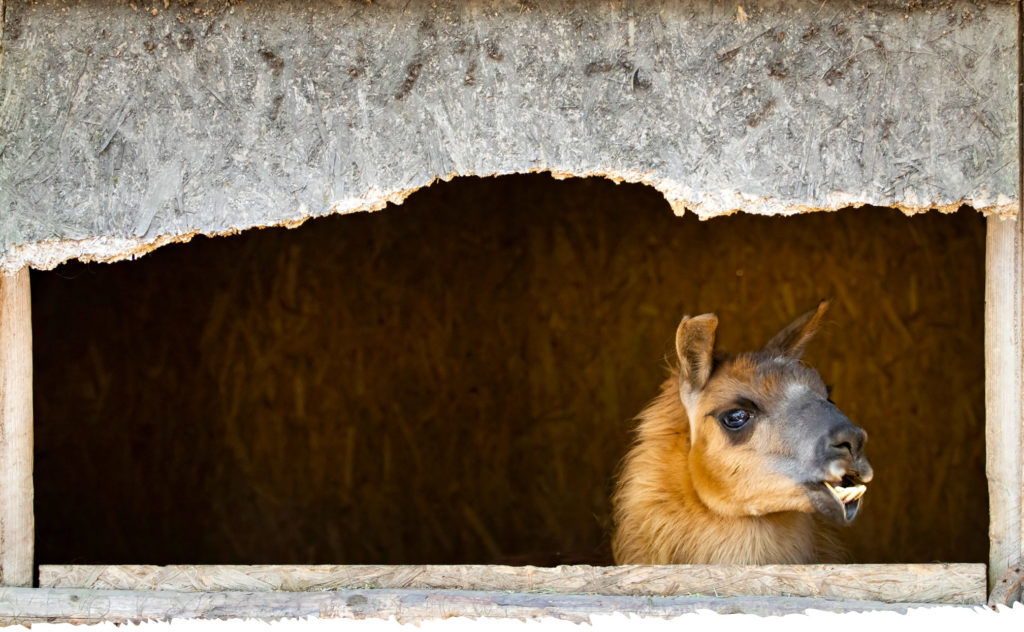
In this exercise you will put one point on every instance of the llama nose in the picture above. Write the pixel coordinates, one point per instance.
(848, 438)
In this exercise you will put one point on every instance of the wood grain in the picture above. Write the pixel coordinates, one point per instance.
(918, 583)
(16, 511)
(1004, 380)
(96, 173)
(29, 605)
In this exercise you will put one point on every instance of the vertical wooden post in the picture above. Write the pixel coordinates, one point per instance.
(17, 522)
(1004, 390)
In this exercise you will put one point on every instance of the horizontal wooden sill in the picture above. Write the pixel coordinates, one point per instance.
(70, 605)
(891, 583)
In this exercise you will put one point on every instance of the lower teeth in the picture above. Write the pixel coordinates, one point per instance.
(847, 494)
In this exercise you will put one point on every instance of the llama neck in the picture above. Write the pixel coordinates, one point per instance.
(716, 538)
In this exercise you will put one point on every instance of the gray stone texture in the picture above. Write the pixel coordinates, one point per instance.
(125, 126)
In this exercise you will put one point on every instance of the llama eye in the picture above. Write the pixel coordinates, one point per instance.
(734, 419)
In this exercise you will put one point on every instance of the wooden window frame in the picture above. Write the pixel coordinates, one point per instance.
(413, 593)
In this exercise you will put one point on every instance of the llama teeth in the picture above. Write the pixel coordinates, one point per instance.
(850, 494)
(857, 492)
(846, 494)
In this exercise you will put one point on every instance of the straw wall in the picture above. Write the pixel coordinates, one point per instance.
(453, 380)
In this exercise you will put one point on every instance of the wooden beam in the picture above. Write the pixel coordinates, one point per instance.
(1004, 391)
(917, 583)
(61, 605)
(524, 113)
(16, 517)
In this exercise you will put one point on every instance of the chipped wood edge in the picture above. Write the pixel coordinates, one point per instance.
(908, 583)
(1007, 590)
(16, 493)
(48, 254)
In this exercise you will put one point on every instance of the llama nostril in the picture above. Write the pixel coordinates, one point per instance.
(844, 446)
(847, 440)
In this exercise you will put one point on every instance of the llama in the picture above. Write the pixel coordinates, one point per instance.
(741, 459)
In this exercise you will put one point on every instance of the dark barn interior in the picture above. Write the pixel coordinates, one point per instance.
(453, 380)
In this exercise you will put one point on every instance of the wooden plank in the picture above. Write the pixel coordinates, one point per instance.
(1004, 389)
(16, 517)
(408, 92)
(918, 583)
(62, 605)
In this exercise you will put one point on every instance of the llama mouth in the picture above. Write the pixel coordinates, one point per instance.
(848, 494)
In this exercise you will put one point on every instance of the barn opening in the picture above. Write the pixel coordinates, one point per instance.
(452, 380)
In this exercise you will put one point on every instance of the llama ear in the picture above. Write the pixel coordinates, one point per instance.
(794, 337)
(695, 343)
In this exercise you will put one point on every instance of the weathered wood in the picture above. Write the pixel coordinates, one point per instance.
(1, 32)
(16, 513)
(1004, 391)
(919, 583)
(1008, 589)
(29, 605)
(127, 128)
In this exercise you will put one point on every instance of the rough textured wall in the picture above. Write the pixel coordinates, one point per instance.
(126, 125)
(452, 380)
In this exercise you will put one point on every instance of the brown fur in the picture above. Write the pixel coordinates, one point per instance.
(711, 498)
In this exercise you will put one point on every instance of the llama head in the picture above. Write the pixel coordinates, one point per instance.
(764, 435)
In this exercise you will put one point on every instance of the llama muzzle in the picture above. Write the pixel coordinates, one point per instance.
(848, 494)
